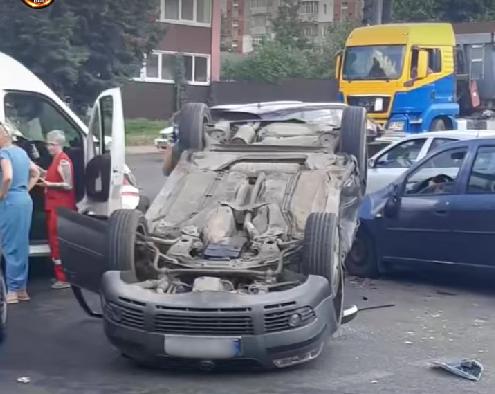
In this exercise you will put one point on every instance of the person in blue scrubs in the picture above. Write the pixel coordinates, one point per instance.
(18, 175)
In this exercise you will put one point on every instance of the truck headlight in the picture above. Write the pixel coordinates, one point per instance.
(397, 125)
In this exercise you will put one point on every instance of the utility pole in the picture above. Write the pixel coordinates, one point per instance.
(376, 12)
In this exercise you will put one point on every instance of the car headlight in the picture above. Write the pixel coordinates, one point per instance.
(397, 125)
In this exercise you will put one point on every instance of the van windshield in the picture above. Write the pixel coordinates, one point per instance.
(373, 62)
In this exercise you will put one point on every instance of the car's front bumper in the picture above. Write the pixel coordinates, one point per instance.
(138, 321)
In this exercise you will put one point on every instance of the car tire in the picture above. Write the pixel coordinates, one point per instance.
(353, 138)
(123, 252)
(321, 247)
(438, 124)
(3, 308)
(192, 120)
(361, 260)
(144, 204)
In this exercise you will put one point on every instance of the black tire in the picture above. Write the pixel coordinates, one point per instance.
(361, 260)
(144, 204)
(3, 308)
(192, 120)
(123, 252)
(322, 247)
(438, 124)
(353, 137)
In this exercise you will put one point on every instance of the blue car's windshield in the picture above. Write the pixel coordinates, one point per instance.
(373, 62)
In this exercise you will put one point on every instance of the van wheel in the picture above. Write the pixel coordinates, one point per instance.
(193, 118)
(126, 248)
(361, 259)
(353, 138)
(438, 125)
(321, 247)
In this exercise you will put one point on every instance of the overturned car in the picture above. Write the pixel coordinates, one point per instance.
(240, 256)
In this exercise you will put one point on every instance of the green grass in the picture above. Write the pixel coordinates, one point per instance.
(142, 131)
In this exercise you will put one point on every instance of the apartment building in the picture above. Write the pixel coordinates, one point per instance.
(193, 32)
(241, 36)
(350, 10)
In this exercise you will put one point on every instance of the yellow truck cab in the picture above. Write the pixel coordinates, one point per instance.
(403, 74)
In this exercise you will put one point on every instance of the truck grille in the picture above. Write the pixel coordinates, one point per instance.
(204, 324)
(279, 320)
(125, 315)
(368, 102)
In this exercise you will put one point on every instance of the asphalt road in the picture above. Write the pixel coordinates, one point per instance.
(436, 316)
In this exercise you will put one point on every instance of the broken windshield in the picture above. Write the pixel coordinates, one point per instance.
(373, 62)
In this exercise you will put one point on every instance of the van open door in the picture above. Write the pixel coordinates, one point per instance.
(105, 164)
(83, 234)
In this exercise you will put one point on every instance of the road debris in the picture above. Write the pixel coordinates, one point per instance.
(367, 308)
(408, 342)
(467, 369)
(24, 379)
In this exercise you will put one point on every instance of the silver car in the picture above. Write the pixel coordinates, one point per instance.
(239, 257)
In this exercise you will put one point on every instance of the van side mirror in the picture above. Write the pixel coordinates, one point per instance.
(371, 163)
(338, 65)
(422, 72)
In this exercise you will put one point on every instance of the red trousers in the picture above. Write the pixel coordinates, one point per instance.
(51, 222)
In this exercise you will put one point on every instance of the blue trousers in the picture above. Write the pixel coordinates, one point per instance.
(15, 222)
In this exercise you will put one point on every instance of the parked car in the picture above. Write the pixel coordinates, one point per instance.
(393, 160)
(3, 307)
(240, 255)
(33, 109)
(441, 211)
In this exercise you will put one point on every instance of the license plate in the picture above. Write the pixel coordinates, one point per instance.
(213, 348)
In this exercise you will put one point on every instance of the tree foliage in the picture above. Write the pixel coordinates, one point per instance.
(275, 60)
(287, 26)
(80, 47)
(454, 11)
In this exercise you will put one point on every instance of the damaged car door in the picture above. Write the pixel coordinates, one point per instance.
(83, 240)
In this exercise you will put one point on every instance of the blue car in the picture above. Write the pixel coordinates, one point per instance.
(441, 212)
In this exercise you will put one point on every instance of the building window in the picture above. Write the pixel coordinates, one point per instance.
(160, 67)
(258, 3)
(186, 11)
(310, 31)
(325, 8)
(309, 7)
(258, 21)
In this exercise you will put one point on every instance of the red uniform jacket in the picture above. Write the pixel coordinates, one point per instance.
(55, 198)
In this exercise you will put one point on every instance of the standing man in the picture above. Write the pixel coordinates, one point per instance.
(58, 182)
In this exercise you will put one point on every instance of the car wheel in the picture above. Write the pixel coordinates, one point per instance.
(3, 308)
(361, 260)
(321, 247)
(438, 125)
(192, 121)
(127, 249)
(353, 138)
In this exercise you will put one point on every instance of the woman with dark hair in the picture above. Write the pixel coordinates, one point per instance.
(18, 175)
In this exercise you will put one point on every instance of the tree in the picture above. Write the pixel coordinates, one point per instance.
(80, 48)
(287, 26)
(454, 11)
(273, 61)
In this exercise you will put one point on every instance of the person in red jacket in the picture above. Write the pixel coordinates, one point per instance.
(58, 182)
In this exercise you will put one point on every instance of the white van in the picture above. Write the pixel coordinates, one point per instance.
(103, 182)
